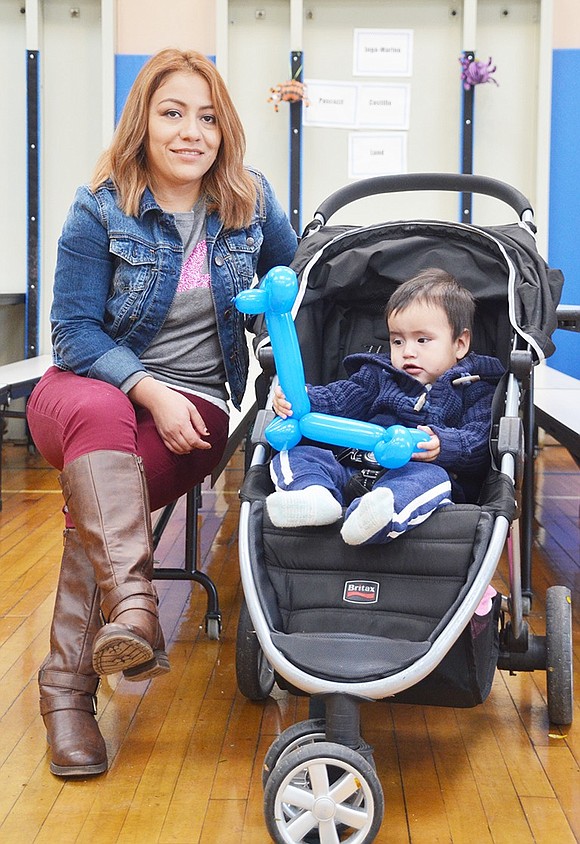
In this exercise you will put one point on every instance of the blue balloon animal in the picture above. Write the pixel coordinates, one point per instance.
(391, 447)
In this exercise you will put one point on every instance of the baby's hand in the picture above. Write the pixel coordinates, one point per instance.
(430, 449)
(281, 405)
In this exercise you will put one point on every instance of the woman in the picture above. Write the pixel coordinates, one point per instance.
(145, 338)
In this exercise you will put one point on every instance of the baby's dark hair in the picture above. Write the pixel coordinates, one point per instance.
(436, 287)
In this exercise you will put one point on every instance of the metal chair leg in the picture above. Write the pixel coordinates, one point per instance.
(190, 570)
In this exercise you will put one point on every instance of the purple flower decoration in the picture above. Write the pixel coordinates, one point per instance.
(476, 73)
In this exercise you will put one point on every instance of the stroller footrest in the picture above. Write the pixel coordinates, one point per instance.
(348, 657)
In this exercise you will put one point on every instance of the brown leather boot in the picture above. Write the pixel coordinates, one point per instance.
(107, 497)
(67, 681)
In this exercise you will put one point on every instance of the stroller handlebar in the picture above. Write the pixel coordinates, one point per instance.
(400, 183)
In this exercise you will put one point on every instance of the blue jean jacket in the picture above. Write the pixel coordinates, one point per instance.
(116, 277)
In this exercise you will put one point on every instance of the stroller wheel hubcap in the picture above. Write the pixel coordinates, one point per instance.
(324, 809)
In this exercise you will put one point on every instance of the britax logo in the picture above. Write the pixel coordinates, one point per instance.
(361, 592)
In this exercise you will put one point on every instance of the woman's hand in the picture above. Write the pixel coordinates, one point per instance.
(179, 423)
(430, 449)
(281, 405)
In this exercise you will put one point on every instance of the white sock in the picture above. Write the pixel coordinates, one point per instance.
(374, 512)
(314, 505)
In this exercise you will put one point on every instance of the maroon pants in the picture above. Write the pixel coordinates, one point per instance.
(70, 415)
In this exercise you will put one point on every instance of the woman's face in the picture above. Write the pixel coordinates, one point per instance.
(183, 139)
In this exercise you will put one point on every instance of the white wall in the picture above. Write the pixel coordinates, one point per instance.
(505, 116)
(71, 122)
(13, 148)
(258, 56)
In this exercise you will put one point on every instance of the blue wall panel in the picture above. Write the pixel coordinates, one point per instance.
(126, 69)
(127, 66)
(564, 251)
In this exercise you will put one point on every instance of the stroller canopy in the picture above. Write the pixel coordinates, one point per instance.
(515, 291)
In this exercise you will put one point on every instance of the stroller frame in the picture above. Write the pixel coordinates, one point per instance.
(292, 780)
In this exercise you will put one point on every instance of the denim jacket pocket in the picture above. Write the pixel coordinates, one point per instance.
(133, 280)
(244, 247)
(135, 264)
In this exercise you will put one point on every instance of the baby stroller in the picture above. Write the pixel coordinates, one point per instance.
(403, 621)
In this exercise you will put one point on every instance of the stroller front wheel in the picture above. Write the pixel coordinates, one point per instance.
(323, 789)
(298, 735)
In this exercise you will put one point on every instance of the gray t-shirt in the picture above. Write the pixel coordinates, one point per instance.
(186, 352)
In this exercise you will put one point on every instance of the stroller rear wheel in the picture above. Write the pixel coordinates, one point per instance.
(559, 656)
(253, 671)
(321, 790)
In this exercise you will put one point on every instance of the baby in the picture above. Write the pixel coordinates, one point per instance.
(430, 381)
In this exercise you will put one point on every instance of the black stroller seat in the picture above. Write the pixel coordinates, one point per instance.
(358, 614)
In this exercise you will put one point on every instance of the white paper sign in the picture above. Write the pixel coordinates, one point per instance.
(383, 52)
(383, 106)
(331, 104)
(376, 154)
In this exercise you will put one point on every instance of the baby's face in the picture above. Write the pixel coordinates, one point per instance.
(422, 342)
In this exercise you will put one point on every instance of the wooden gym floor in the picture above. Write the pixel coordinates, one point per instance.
(186, 750)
